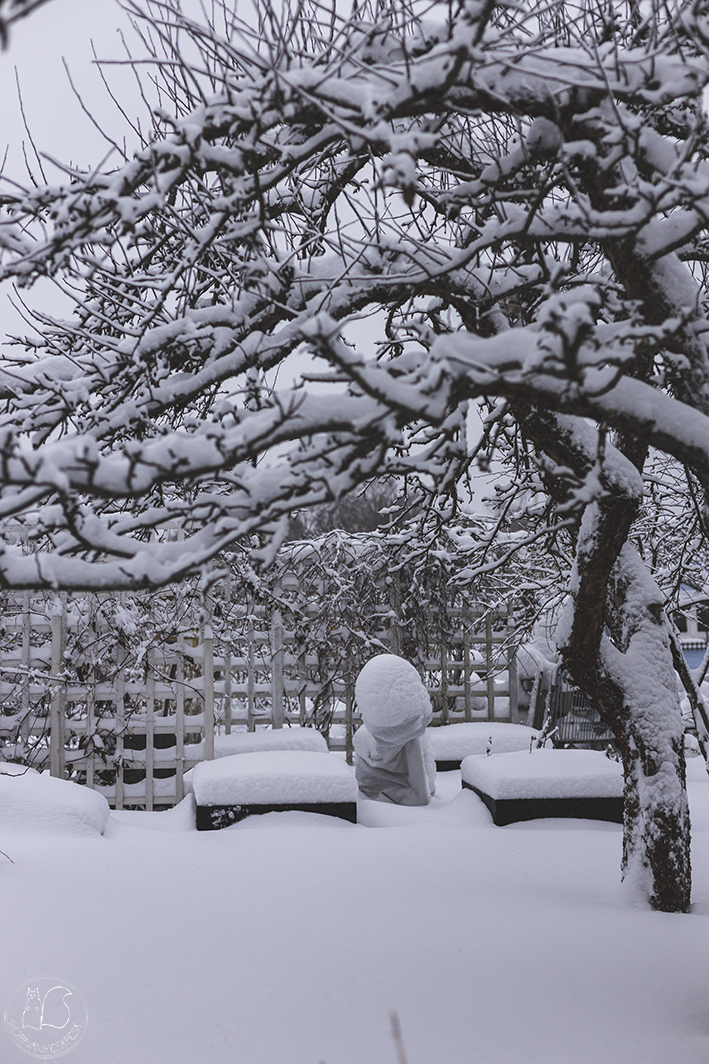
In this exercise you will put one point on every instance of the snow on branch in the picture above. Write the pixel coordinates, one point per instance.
(500, 207)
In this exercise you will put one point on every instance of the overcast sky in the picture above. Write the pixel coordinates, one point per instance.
(60, 30)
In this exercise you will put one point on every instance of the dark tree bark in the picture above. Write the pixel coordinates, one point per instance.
(617, 647)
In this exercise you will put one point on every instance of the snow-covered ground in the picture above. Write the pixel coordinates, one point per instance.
(288, 938)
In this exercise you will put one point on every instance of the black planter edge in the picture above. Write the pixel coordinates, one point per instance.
(512, 810)
(214, 817)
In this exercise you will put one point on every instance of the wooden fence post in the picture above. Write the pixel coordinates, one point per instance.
(56, 748)
(303, 676)
(26, 662)
(444, 683)
(250, 677)
(89, 747)
(120, 724)
(179, 719)
(488, 666)
(277, 671)
(208, 678)
(466, 675)
(349, 731)
(512, 674)
(149, 731)
(227, 691)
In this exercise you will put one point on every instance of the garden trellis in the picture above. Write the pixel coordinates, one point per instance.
(127, 693)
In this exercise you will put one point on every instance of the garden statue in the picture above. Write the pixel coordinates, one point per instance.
(392, 754)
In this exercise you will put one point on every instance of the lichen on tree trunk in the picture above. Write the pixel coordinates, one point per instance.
(656, 857)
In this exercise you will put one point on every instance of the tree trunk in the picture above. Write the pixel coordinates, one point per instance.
(656, 857)
(629, 676)
(616, 644)
(650, 730)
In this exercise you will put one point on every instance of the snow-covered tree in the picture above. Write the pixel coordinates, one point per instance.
(514, 197)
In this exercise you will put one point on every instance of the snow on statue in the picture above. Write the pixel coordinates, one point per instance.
(393, 758)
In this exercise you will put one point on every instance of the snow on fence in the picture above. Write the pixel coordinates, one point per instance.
(131, 725)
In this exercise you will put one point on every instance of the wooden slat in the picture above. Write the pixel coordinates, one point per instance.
(512, 678)
(179, 724)
(277, 715)
(26, 657)
(149, 732)
(208, 696)
(251, 677)
(444, 685)
(488, 666)
(56, 754)
(120, 724)
(467, 694)
(227, 692)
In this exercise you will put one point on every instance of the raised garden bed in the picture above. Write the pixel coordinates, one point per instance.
(547, 783)
(270, 739)
(213, 817)
(231, 788)
(452, 743)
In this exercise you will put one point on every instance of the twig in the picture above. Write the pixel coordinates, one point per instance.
(398, 1038)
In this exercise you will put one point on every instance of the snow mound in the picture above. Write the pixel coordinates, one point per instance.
(180, 817)
(389, 692)
(9, 768)
(30, 802)
(456, 741)
(289, 819)
(274, 777)
(545, 774)
(271, 739)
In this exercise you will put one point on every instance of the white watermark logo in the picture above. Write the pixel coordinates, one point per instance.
(46, 1017)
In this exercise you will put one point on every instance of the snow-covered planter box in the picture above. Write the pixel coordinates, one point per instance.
(253, 742)
(270, 739)
(40, 803)
(547, 783)
(451, 743)
(231, 788)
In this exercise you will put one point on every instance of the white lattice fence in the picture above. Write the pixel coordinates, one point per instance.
(132, 727)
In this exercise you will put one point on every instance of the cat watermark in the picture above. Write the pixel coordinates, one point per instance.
(46, 1018)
